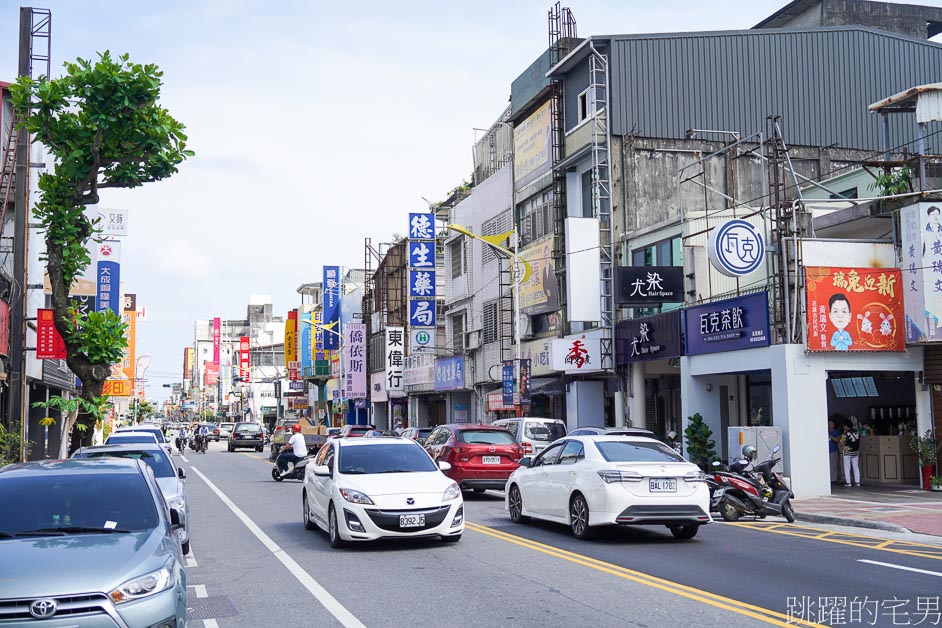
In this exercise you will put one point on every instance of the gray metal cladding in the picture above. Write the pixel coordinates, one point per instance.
(820, 80)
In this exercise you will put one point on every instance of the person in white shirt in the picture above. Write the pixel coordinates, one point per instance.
(293, 450)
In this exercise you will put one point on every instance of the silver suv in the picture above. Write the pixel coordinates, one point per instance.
(533, 434)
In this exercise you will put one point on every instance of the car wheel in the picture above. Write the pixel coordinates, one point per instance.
(276, 474)
(579, 518)
(515, 504)
(186, 547)
(729, 512)
(451, 539)
(258, 449)
(332, 531)
(684, 532)
(306, 513)
(788, 511)
(231, 449)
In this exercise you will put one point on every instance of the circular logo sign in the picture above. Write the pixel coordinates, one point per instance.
(422, 338)
(105, 250)
(43, 608)
(736, 248)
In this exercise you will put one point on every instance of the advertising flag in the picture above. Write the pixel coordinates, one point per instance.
(245, 359)
(217, 334)
(331, 307)
(109, 276)
(291, 338)
(49, 344)
(507, 373)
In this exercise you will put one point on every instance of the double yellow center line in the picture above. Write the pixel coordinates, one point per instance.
(742, 608)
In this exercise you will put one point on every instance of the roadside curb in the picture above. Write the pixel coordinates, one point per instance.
(855, 523)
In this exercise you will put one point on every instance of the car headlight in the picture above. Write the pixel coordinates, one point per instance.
(355, 497)
(143, 586)
(452, 492)
(177, 503)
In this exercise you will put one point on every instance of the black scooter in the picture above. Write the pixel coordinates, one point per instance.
(293, 473)
(759, 492)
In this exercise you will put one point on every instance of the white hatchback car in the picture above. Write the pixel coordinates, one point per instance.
(590, 481)
(362, 489)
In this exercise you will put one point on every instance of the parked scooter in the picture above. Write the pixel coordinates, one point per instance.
(293, 473)
(759, 492)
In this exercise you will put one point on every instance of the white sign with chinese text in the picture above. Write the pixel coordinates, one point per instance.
(395, 361)
(580, 353)
(736, 248)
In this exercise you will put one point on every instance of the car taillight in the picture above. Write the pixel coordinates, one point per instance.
(527, 448)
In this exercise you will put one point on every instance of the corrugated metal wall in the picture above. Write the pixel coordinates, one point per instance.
(820, 80)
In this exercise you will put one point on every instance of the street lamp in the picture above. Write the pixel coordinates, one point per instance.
(329, 328)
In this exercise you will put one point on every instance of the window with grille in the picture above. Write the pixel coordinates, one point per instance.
(457, 333)
(458, 262)
(535, 218)
(491, 321)
(498, 224)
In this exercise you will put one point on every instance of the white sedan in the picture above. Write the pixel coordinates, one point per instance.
(362, 489)
(590, 481)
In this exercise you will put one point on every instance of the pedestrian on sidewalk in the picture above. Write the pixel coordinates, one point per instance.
(834, 441)
(851, 455)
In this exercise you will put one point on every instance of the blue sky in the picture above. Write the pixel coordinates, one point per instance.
(315, 125)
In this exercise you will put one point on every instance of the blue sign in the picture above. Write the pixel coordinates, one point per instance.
(421, 227)
(740, 323)
(421, 255)
(109, 287)
(649, 338)
(736, 248)
(421, 313)
(331, 316)
(449, 373)
(304, 346)
(421, 283)
(508, 381)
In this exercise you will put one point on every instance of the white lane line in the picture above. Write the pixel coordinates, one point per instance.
(328, 601)
(904, 568)
(210, 623)
(191, 559)
(184, 459)
(200, 590)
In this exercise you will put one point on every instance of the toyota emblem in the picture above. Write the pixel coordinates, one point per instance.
(410, 500)
(43, 608)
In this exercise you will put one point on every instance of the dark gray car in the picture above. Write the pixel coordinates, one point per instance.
(89, 543)
(246, 435)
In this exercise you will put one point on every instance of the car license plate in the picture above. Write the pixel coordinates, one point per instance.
(411, 521)
(663, 485)
(490, 459)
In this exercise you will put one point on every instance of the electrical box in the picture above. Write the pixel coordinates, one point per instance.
(764, 439)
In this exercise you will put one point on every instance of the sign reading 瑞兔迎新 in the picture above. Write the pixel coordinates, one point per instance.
(738, 323)
(649, 338)
(641, 285)
(736, 248)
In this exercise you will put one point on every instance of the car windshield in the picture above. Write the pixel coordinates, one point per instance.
(637, 451)
(115, 439)
(485, 437)
(360, 430)
(537, 430)
(52, 504)
(248, 427)
(385, 458)
(154, 459)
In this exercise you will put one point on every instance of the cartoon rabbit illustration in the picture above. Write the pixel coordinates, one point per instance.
(885, 327)
(866, 325)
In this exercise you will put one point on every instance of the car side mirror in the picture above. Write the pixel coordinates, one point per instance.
(322, 471)
(421, 441)
(181, 473)
(176, 519)
(444, 466)
(526, 461)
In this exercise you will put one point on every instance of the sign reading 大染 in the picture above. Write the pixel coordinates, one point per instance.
(736, 248)
(331, 313)
(422, 298)
(649, 338)
(449, 373)
(739, 323)
(640, 285)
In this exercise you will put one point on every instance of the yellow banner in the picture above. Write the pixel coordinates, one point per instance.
(533, 146)
(291, 338)
(118, 388)
(538, 293)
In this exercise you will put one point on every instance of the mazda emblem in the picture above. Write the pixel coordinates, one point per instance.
(492, 449)
(43, 608)
(410, 500)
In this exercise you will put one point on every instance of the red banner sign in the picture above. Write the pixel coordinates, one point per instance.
(49, 344)
(245, 359)
(855, 309)
(4, 328)
(216, 340)
(211, 374)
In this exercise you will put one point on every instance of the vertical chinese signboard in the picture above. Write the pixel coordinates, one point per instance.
(109, 276)
(394, 361)
(854, 309)
(921, 234)
(245, 359)
(331, 307)
(217, 338)
(291, 338)
(49, 344)
(422, 298)
(354, 361)
(507, 378)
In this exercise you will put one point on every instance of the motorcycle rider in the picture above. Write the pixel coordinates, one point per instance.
(202, 433)
(296, 445)
(182, 436)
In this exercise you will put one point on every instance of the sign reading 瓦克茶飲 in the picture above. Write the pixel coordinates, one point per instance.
(739, 323)
(736, 248)
(580, 353)
(395, 353)
(640, 285)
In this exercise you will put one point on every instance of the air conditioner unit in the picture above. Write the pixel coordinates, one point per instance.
(472, 340)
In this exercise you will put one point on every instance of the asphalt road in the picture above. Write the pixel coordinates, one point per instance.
(256, 565)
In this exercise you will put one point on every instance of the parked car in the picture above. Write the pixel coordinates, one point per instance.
(378, 434)
(94, 541)
(479, 456)
(612, 431)
(127, 438)
(361, 489)
(533, 433)
(417, 433)
(591, 481)
(165, 442)
(247, 435)
(225, 429)
(354, 431)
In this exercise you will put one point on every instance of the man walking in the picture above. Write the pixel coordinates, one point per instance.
(851, 455)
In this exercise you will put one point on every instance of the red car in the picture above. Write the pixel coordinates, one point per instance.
(353, 431)
(481, 456)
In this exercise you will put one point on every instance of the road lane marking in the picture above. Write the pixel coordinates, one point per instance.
(184, 459)
(902, 567)
(756, 612)
(191, 559)
(906, 548)
(200, 590)
(326, 600)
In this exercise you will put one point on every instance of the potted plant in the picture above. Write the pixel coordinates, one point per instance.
(936, 482)
(700, 442)
(926, 448)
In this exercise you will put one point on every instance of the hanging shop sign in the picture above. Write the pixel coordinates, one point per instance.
(291, 338)
(736, 248)
(395, 352)
(649, 338)
(49, 344)
(109, 276)
(245, 359)
(210, 374)
(579, 353)
(354, 336)
(642, 285)
(854, 309)
(449, 373)
(538, 294)
(113, 222)
(331, 312)
(422, 340)
(378, 387)
(728, 325)
(507, 379)
(540, 355)
(525, 379)
(921, 234)
(419, 372)
(422, 286)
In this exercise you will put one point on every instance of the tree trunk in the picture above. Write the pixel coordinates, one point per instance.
(65, 432)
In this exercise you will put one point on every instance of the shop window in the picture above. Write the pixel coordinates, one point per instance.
(458, 260)
(498, 224)
(759, 396)
(457, 333)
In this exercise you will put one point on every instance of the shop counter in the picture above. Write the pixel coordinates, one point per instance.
(888, 460)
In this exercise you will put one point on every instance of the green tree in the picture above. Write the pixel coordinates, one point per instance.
(70, 410)
(103, 124)
(700, 443)
(142, 410)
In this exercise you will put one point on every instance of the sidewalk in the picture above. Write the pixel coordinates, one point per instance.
(896, 509)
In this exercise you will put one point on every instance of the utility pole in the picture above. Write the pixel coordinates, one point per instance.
(17, 407)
